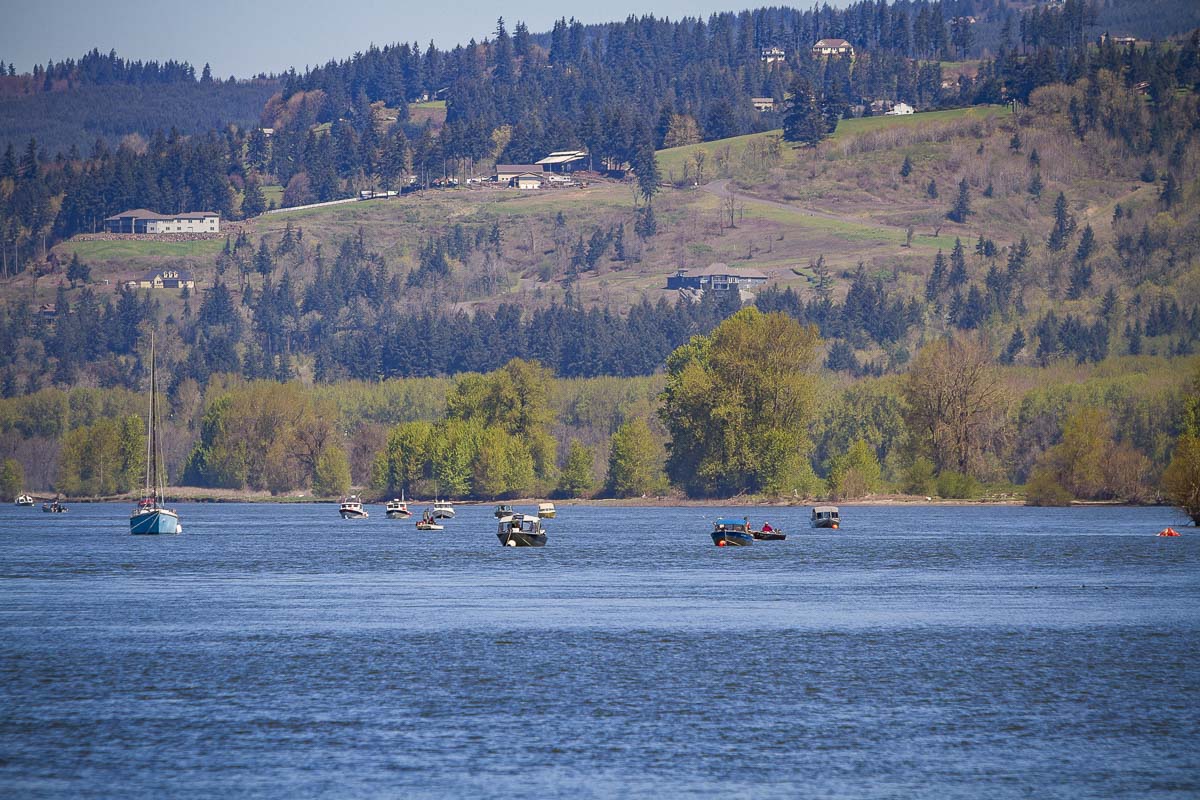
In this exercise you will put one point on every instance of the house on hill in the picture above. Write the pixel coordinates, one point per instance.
(139, 220)
(505, 173)
(833, 47)
(164, 279)
(899, 110)
(772, 54)
(763, 103)
(718, 277)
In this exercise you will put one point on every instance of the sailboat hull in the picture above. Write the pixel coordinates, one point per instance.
(159, 521)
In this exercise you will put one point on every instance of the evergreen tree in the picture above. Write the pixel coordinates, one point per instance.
(802, 119)
(253, 202)
(932, 189)
(962, 203)
(1064, 225)
(906, 167)
(958, 264)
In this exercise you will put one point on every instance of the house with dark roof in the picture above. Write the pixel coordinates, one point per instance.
(718, 277)
(140, 220)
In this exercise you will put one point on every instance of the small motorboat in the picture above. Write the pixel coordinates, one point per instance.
(546, 511)
(768, 534)
(397, 509)
(352, 508)
(54, 507)
(24, 500)
(443, 509)
(732, 533)
(521, 530)
(825, 517)
(502, 510)
(1168, 531)
(428, 522)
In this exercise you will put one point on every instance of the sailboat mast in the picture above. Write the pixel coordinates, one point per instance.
(150, 428)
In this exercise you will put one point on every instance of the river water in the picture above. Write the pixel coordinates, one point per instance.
(277, 651)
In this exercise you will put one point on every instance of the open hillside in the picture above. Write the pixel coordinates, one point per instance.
(844, 237)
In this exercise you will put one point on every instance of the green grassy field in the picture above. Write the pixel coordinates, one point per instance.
(131, 249)
(850, 127)
(672, 160)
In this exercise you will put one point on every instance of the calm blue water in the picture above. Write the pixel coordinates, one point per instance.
(277, 651)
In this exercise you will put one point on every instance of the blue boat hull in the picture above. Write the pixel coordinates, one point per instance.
(154, 522)
(733, 538)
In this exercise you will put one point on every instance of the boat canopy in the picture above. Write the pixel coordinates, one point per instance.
(731, 521)
(825, 509)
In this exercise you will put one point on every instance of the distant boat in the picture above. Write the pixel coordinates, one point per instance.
(732, 533)
(521, 530)
(768, 534)
(825, 517)
(546, 510)
(54, 507)
(502, 510)
(428, 522)
(24, 500)
(443, 509)
(1168, 531)
(398, 509)
(150, 516)
(352, 508)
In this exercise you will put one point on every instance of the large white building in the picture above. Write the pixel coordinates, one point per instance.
(139, 220)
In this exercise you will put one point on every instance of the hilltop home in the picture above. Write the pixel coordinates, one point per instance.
(899, 110)
(833, 47)
(763, 103)
(140, 220)
(506, 172)
(164, 279)
(718, 277)
(564, 161)
(772, 54)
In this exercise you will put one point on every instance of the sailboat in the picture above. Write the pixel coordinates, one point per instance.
(150, 516)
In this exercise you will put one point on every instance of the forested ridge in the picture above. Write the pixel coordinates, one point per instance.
(1063, 234)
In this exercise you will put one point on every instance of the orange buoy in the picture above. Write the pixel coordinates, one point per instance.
(835, 526)
(720, 542)
(1168, 531)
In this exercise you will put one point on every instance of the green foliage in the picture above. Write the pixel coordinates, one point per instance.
(856, 473)
(1182, 476)
(12, 479)
(737, 406)
(332, 475)
(920, 477)
(403, 461)
(957, 486)
(578, 478)
(262, 435)
(1044, 489)
(633, 462)
(107, 457)
(1088, 464)
(516, 399)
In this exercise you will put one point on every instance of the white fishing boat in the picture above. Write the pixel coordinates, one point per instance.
(352, 508)
(521, 530)
(546, 510)
(150, 516)
(443, 509)
(398, 509)
(24, 500)
(825, 517)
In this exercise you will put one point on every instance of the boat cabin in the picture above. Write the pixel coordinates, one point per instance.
(546, 510)
(732, 525)
(825, 517)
